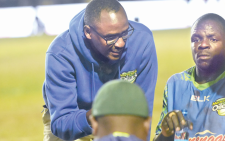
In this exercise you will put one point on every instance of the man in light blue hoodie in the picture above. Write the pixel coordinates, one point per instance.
(100, 45)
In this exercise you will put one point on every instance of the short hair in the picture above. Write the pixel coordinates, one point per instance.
(211, 16)
(95, 7)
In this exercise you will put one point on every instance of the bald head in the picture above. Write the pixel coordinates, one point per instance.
(95, 7)
(210, 17)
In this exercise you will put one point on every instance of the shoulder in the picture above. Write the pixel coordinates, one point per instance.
(141, 41)
(141, 37)
(142, 33)
(60, 43)
(182, 76)
(139, 27)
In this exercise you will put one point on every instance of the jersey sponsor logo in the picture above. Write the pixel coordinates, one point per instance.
(208, 138)
(129, 76)
(219, 106)
(197, 98)
(204, 132)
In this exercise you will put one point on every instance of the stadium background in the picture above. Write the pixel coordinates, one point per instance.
(22, 59)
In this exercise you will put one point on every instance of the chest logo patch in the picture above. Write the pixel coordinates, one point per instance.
(129, 76)
(219, 106)
(196, 97)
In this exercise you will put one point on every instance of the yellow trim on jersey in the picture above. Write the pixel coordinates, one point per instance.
(120, 134)
(205, 85)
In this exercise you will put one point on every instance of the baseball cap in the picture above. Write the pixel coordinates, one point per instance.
(120, 97)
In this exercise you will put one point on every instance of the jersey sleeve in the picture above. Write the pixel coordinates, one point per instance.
(67, 120)
(164, 110)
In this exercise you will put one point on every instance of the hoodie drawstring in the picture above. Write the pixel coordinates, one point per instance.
(93, 79)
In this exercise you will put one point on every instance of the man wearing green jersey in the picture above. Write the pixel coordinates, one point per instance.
(201, 89)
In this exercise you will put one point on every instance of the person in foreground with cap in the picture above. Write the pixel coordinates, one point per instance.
(120, 112)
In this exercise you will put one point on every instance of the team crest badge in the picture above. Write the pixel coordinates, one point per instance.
(129, 76)
(219, 106)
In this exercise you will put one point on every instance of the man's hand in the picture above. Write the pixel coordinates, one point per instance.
(174, 120)
(87, 116)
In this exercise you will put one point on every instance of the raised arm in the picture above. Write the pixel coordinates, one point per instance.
(170, 121)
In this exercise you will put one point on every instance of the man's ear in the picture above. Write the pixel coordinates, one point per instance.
(147, 124)
(87, 31)
(94, 125)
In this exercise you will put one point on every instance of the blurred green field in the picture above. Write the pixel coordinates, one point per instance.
(22, 74)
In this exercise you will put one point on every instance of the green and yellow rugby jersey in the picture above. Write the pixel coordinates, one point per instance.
(205, 104)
